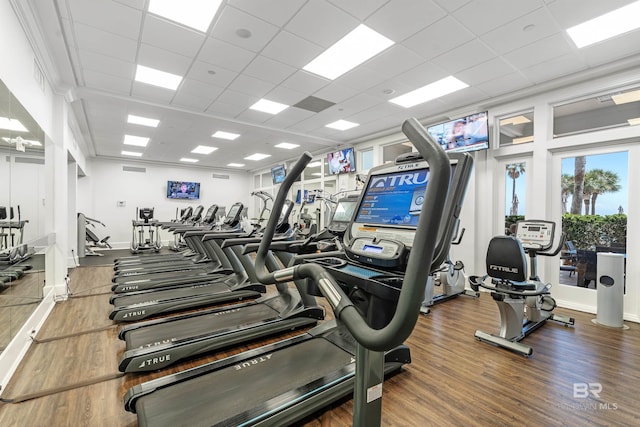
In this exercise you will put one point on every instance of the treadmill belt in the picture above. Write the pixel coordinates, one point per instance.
(198, 325)
(167, 294)
(212, 398)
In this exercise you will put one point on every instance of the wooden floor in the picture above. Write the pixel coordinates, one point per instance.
(70, 377)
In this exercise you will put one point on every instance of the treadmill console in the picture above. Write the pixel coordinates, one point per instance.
(535, 234)
(342, 216)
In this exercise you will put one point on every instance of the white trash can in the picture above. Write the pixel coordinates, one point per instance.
(610, 283)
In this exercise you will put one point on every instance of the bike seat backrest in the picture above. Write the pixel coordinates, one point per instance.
(506, 259)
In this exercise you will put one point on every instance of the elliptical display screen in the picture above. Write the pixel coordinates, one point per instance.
(344, 211)
(394, 199)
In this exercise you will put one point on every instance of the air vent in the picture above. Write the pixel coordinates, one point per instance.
(133, 169)
(219, 176)
(32, 160)
(311, 103)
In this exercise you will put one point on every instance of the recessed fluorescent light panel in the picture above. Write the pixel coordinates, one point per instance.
(342, 125)
(12, 124)
(517, 120)
(187, 160)
(605, 26)
(314, 164)
(131, 153)
(347, 53)
(257, 156)
(522, 140)
(267, 106)
(431, 91)
(157, 78)
(634, 122)
(196, 14)
(138, 141)
(225, 135)
(235, 165)
(626, 97)
(287, 145)
(203, 149)
(137, 120)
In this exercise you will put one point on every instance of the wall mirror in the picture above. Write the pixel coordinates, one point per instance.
(22, 210)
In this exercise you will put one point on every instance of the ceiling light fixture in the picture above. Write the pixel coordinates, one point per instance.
(429, 92)
(188, 160)
(24, 141)
(204, 149)
(225, 135)
(522, 139)
(603, 27)
(257, 156)
(634, 122)
(144, 121)
(131, 153)
(157, 78)
(196, 14)
(347, 53)
(235, 165)
(138, 141)
(267, 106)
(12, 124)
(342, 125)
(314, 164)
(287, 145)
(626, 97)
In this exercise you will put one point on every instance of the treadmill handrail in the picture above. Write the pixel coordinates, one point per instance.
(406, 314)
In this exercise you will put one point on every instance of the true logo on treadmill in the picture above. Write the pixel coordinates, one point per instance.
(134, 314)
(503, 268)
(155, 361)
(252, 362)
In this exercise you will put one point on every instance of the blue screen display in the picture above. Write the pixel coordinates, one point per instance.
(394, 199)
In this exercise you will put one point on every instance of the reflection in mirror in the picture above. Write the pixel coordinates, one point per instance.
(22, 172)
(515, 191)
(516, 129)
(594, 202)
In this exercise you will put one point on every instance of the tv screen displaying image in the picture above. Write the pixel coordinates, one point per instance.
(341, 161)
(468, 133)
(278, 173)
(183, 190)
(306, 196)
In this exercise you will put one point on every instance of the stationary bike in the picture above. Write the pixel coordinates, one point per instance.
(524, 304)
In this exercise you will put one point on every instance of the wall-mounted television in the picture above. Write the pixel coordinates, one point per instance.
(306, 196)
(341, 161)
(183, 190)
(469, 133)
(278, 174)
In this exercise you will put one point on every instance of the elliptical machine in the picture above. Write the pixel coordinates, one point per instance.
(88, 240)
(140, 242)
(450, 278)
(524, 304)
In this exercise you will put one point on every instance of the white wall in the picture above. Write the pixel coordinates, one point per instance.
(106, 184)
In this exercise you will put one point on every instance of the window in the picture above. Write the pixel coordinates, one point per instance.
(516, 129)
(366, 159)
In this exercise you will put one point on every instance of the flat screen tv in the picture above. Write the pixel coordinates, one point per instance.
(185, 190)
(277, 174)
(341, 161)
(469, 133)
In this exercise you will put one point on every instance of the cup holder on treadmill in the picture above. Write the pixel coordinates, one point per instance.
(394, 281)
(330, 262)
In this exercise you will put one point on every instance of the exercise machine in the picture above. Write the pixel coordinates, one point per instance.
(265, 210)
(10, 227)
(88, 240)
(283, 382)
(449, 278)
(146, 234)
(524, 302)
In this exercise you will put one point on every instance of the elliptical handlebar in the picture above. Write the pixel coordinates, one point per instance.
(406, 314)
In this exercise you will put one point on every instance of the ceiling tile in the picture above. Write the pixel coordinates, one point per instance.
(107, 65)
(152, 93)
(251, 86)
(335, 92)
(568, 13)
(485, 71)
(226, 55)
(359, 9)
(540, 51)
(172, 37)
(480, 17)
(106, 82)
(276, 13)
(108, 16)
(232, 19)
(554, 68)
(105, 43)
(504, 84)
(291, 50)
(303, 81)
(466, 56)
(413, 14)
(310, 23)
(393, 61)
(163, 60)
(211, 74)
(268, 70)
(430, 43)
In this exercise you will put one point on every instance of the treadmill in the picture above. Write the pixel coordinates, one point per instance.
(283, 382)
(158, 343)
(158, 278)
(241, 284)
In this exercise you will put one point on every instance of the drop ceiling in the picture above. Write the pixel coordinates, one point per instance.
(257, 49)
